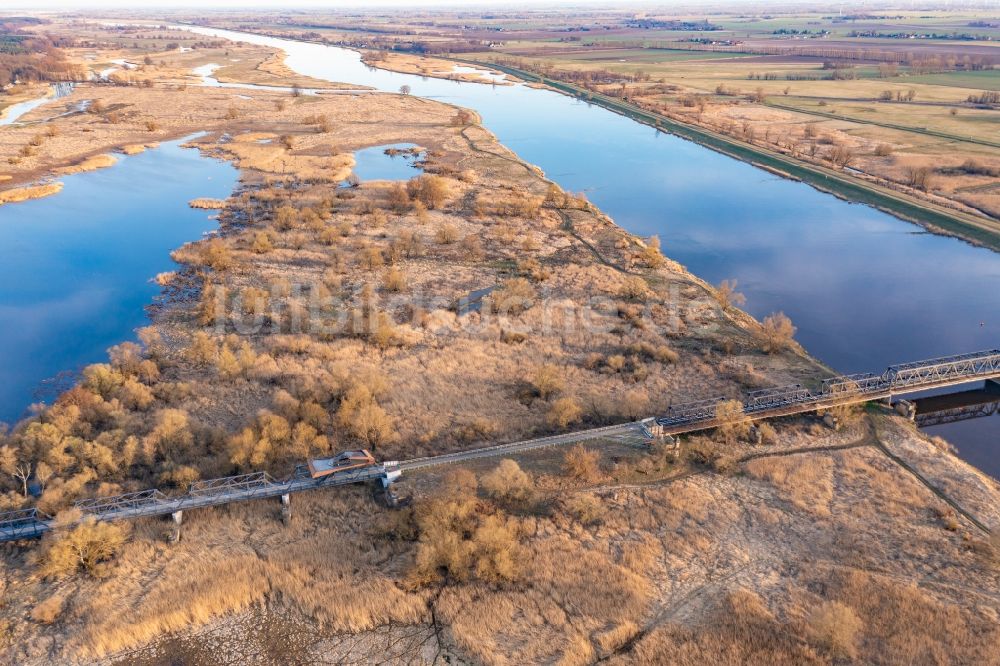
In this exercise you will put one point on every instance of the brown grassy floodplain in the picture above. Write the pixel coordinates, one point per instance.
(815, 546)
(424, 66)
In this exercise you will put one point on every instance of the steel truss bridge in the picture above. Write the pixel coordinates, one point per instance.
(30, 523)
(689, 417)
(842, 390)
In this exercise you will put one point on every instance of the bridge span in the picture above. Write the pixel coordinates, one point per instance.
(679, 419)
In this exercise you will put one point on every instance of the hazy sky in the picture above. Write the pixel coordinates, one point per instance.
(8, 5)
(312, 4)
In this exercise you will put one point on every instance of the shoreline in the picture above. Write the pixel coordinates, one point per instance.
(935, 219)
(939, 220)
(779, 518)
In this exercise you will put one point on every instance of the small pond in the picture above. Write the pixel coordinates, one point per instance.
(397, 161)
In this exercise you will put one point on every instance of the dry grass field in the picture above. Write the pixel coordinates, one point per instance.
(327, 313)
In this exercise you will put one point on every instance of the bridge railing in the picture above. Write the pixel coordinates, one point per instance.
(775, 397)
(945, 368)
(845, 388)
(690, 411)
(27, 523)
(99, 506)
(23, 523)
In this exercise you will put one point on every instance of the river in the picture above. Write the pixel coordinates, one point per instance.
(12, 113)
(75, 268)
(865, 289)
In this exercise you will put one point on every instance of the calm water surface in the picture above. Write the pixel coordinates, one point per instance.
(13, 112)
(374, 164)
(865, 289)
(75, 267)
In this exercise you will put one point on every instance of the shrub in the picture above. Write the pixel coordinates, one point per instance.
(582, 464)
(585, 509)
(428, 189)
(513, 297)
(49, 610)
(496, 549)
(733, 422)
(376, 219)
(227, 364)
(171, 435)
(547, 381)
(461, 118)
(87, 545)
(768, 435)
(371, 258)
(634, 288)
(212, 306)
(363, 418)
(777, 332)
(835, 626)
(665, 354)
(919, 177)
(254, 301)
(261, 243)
(727, 295)
(395, 281)
(508, 483)
(564, 411)
(446, 234)
(285, 217)
(842, 156)
(135, 396)
(399, 199)
(650, 254)
(216, 255)
(472, 247)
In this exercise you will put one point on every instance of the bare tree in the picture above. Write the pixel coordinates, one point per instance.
(842, 156)
(21, 471)
(777, 332)
(727, 295)
(919, 177)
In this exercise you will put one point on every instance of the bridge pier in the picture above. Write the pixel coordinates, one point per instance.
(175, 531)
(906, 408)
(286, 508)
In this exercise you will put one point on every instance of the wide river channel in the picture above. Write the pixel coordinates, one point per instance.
(865, 289)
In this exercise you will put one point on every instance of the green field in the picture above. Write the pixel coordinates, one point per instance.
(984, 80)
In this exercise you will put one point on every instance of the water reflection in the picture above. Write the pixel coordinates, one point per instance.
(397, 161)
(75, 267)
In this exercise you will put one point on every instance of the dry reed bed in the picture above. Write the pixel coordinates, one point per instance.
(654, 568)
(18, 194)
